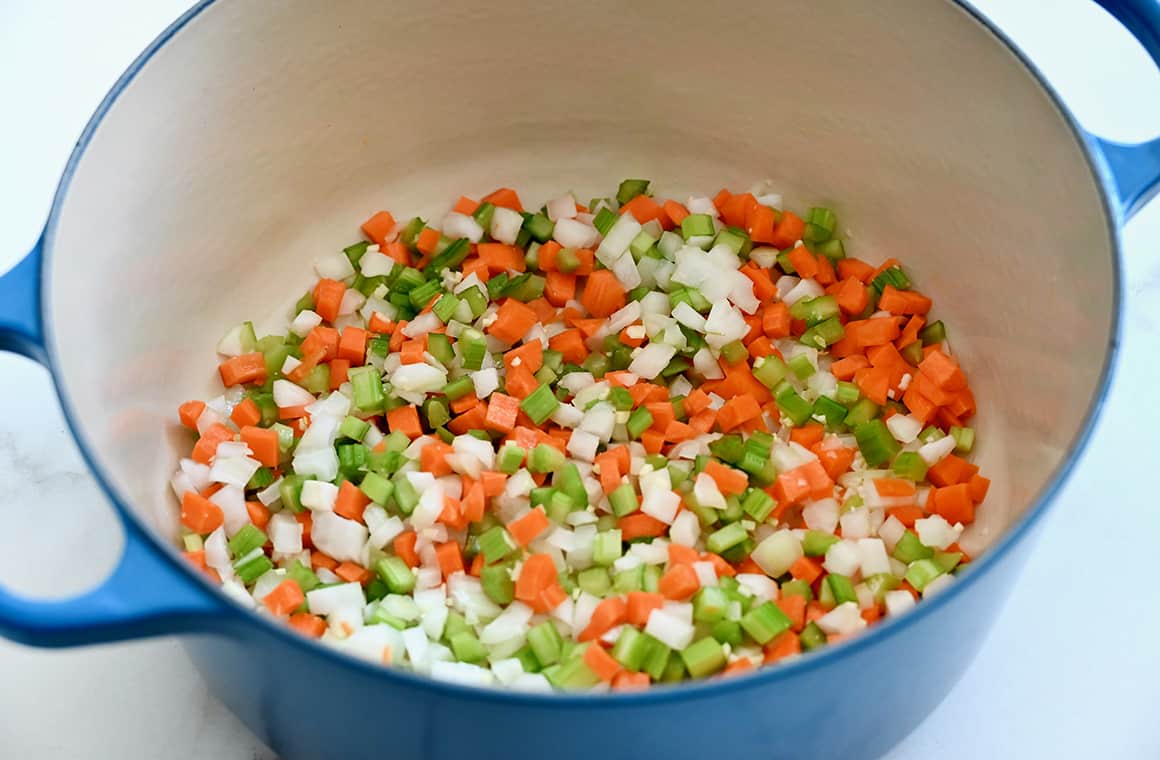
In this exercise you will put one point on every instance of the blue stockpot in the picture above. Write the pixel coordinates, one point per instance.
(351, 709)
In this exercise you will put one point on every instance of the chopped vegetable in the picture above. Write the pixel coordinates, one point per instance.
(636, 442)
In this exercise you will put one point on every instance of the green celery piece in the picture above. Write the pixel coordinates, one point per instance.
(703, 658)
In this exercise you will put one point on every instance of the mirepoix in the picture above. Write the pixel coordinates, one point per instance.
(587, 446)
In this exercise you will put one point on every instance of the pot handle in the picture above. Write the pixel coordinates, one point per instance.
(1134, 170)
(148, 593)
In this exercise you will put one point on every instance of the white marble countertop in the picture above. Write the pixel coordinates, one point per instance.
(1071, 669)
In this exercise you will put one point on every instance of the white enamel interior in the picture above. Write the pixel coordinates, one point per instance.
(261, 135)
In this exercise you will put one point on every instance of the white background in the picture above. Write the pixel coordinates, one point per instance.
(1071, 669)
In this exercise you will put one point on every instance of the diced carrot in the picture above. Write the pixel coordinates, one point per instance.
(678, 583)
(826, 275)
(856, 268)
(433, 458)
(738, 410)
(760, 224)
(943, 371)
(474, 418)
(286, 597)
(493, 483)
(404, 546)
(570, 343)
(950, 470)
(512, 321)
(206, 446)
(640, 525)
(405, 420)
(736, 210)
(397, 251)
(463, 403)
(259, 513)
(546, 256)
(530, 354)
(954, 503)
(626, 680)
(263, 442)
(675, 211)
(379, 226)
(411, 352)
(788, 231)
(653, 441)
(603, 294)
(600, 661)
(804, 262)
(835, 461)
(737, 667)
(609, 613)
(903, 301)
(814, 611)
(872, 332)
(505, 197)
(465, 206)
(844, 369)
(921, 408)
(199, 514)
(520, 382)
(806, 569)
(353, 573)
(729, 481)
(247, 368)
(851, 295)
(807, 435)
(306, 520)
(525, 529)
(352, 346)
(476, 266)
(308, 625)
(189, 412)
(537, 574)
(640, 604)
(906, 514)
(643, 209)
(696, 401)
(501, 258)
(559, 287)
(794, 607)
(720, 565)
(322, 339)
(328, 295)
(979, 487)
(246, 413)
(550, 598)
(763, 286)
(427, 241)
(680, 554)
(910, 331)
(450, 558)
(502, 412)
(351, 501)
(890, 488)
(783, 645)
(398, 337)
(775, 321)
(320, 560)
(874, 382)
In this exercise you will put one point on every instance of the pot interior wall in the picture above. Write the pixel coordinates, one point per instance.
(256, 139)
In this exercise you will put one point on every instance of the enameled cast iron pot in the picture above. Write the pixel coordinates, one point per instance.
(251, 136)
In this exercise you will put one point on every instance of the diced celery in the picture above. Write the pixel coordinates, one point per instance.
(540, 404)
(705, 657)
(764, 622)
